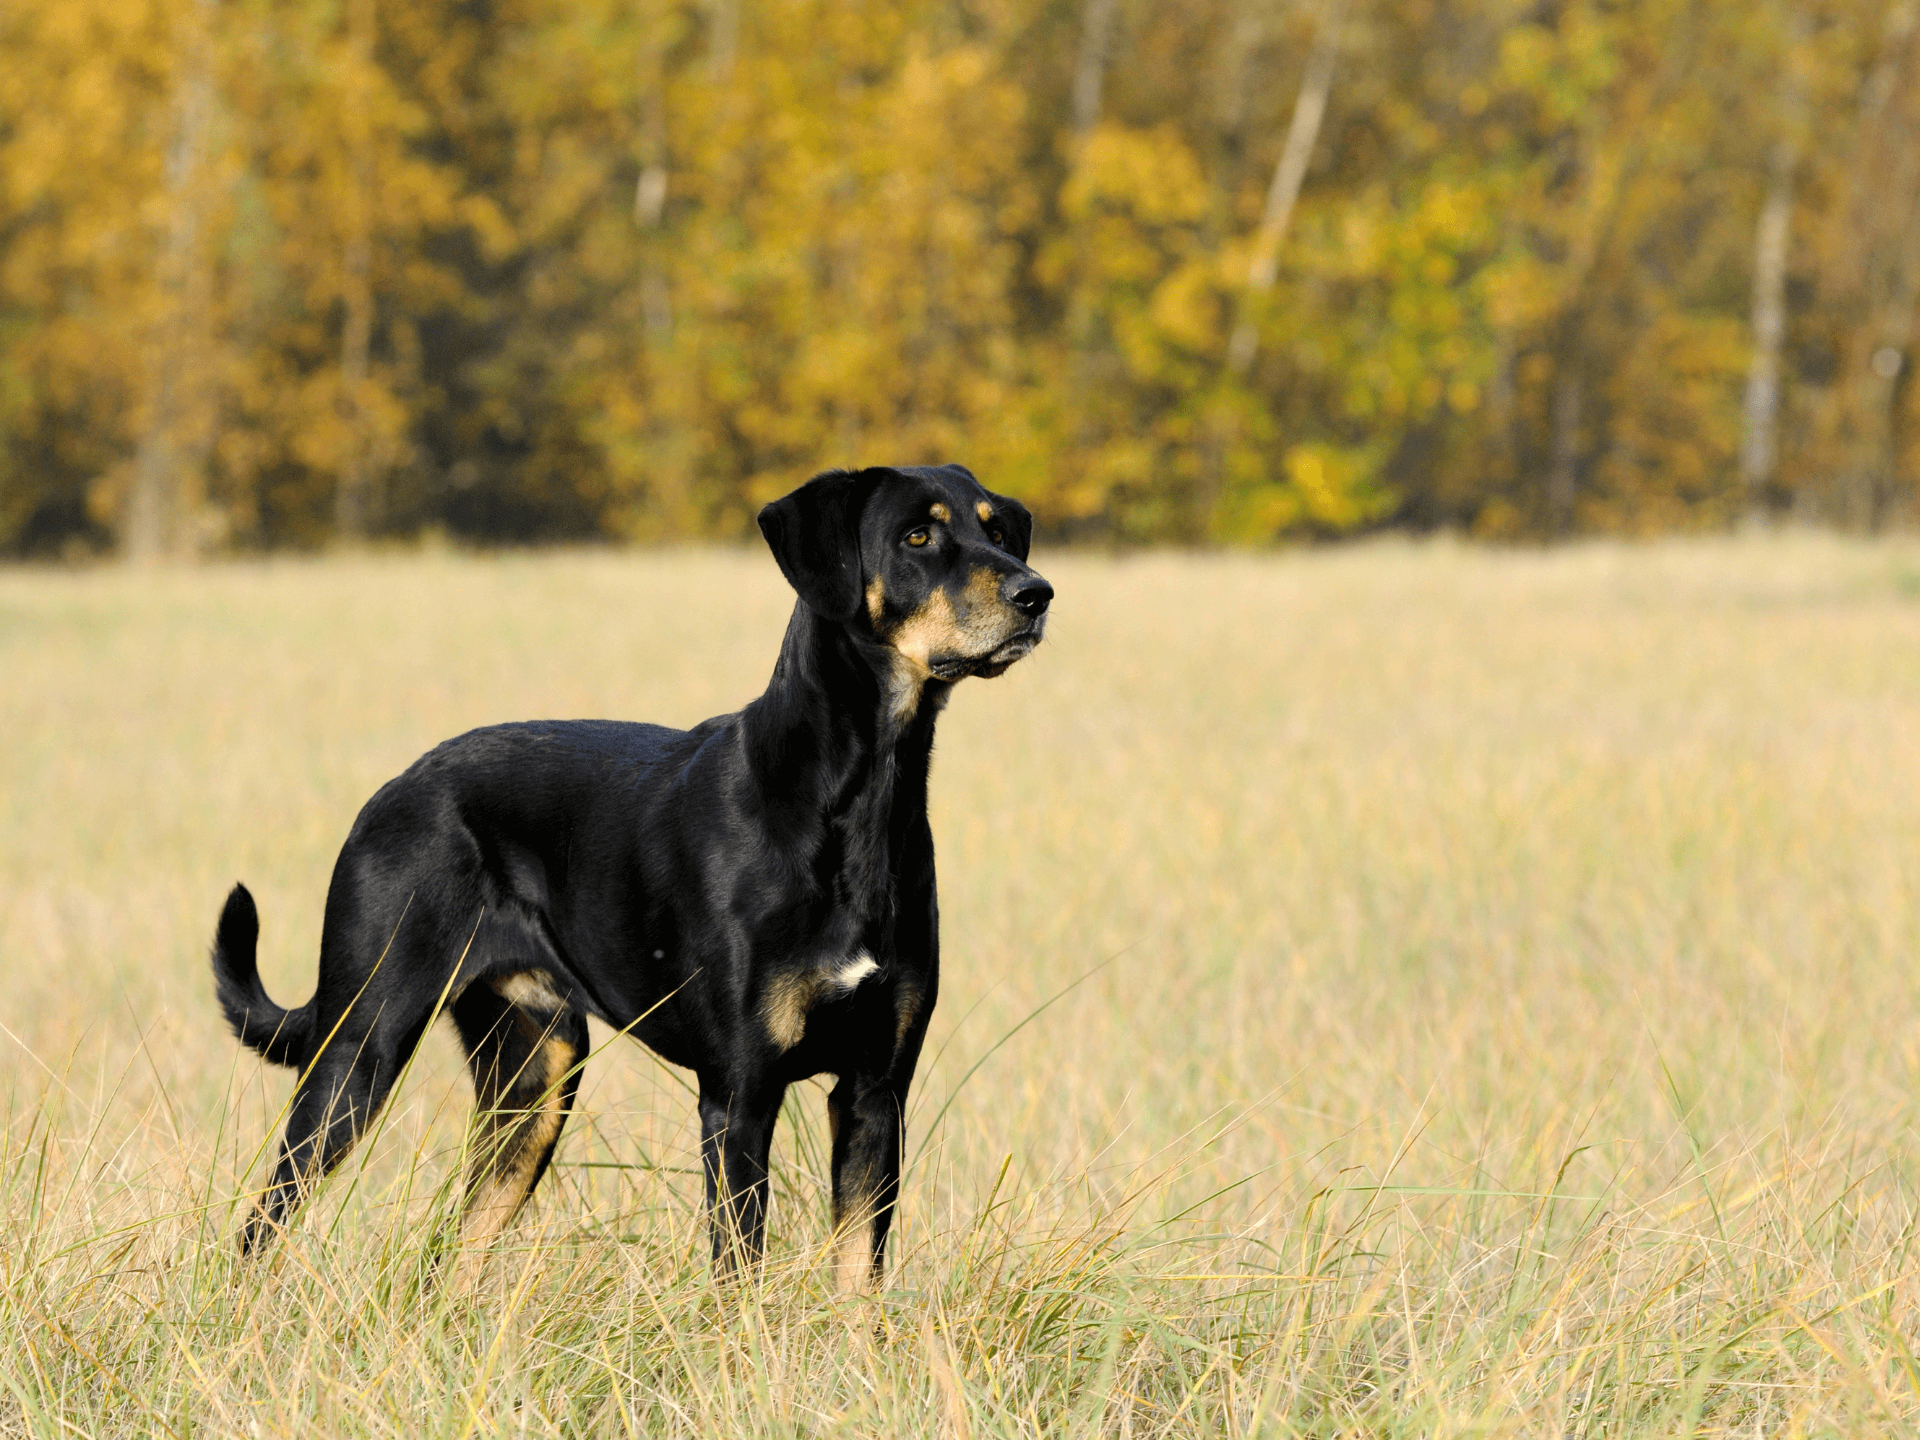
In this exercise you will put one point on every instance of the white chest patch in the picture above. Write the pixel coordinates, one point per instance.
(854, 971)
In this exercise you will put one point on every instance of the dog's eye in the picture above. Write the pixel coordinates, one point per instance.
(917, 538)
(998, 536)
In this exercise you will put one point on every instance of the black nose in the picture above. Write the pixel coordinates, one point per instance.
(1030, 596)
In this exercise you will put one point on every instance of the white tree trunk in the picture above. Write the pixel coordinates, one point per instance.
(1760, 409)
(168, 465)
(352, 496)
(1090, 70)
(1889, 342)
(1563, 479)
(1309, 109)
(650, 191)
(723, 45)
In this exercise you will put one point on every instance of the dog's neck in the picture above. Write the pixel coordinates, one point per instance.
(845, 744)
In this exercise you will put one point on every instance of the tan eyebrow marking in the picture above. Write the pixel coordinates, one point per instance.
(941, 513)
(984, 511)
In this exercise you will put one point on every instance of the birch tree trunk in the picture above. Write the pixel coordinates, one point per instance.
(1563, 476)
(1889, 342)
(1309, 109)
(1886, 219)
(352, 491)
(1759, 413)
(723, 44)
(1090, 69)
(170, 460)
(1089, 83)
(650, 192)
(1760, 408)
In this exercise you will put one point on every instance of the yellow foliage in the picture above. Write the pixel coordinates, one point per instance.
(590, 267)
(1149, 175)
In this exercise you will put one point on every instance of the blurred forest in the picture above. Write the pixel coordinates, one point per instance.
(290, 272)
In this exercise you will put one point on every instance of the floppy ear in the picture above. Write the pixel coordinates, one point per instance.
(1018, 521)
(814, 533)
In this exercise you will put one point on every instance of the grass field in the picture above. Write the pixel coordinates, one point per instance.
(1401, 990)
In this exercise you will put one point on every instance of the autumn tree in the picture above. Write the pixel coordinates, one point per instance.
(291, 272)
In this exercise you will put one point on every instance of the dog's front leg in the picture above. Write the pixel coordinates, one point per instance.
(865, 1117)
(736, 1137)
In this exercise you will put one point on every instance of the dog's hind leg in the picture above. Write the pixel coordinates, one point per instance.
(337, 1098)
(525, 1054)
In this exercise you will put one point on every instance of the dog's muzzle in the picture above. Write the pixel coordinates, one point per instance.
(1016, 647)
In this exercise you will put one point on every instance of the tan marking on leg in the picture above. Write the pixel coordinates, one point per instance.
(503, 1188)
(790, 998)
(984, 511)
(941, 513)
(531, 988)
(784, 1007)
(906, 1010)
(560, 1059)
(509, 1140)
(853, 1249)
(876, 598)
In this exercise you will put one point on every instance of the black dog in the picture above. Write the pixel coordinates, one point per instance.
(753, 898)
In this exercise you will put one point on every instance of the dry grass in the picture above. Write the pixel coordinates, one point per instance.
(1485, 1004)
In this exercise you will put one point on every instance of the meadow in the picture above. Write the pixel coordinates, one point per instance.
(1404, 989)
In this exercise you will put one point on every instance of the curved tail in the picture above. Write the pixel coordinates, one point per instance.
(279, 1035)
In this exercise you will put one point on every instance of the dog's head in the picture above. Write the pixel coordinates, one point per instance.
(922, 560)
